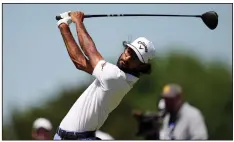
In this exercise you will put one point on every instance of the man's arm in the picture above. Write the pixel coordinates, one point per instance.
(74, 51)
(85, 40)
(105, 72)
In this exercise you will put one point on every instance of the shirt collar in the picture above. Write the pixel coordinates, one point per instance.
(183, 106)
(131, 79)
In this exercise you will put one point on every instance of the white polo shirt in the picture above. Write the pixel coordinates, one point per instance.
(106, 92)
(189, 126)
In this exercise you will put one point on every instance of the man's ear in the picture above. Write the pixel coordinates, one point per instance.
(145, 68)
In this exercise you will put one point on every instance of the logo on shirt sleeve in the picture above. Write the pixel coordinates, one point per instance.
(103, 64)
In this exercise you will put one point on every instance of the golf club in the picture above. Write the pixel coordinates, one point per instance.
(209, 18)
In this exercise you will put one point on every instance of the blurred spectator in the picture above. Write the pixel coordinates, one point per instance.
(182, 121)
(103, 135)
(42, 129)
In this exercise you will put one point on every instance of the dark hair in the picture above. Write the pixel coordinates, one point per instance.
(145, 69)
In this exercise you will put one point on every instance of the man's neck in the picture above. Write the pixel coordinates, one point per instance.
(134, 73)
(175, 112)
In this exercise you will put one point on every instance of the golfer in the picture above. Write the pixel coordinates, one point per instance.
(112, 82)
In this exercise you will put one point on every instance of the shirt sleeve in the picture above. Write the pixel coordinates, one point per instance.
(197, 129)
(107, 74)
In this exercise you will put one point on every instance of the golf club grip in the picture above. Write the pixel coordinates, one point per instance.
(121, 15)
(102, 15)
(85, 16)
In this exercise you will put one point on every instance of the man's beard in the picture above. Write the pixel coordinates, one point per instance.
(124, 69)
(127, 70)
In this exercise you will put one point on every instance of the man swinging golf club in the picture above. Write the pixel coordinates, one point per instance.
(111, 84)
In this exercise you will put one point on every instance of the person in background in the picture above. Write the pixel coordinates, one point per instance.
(182, 121)
(103, 136)
(42, 129)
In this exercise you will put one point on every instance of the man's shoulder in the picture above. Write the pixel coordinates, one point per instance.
(106, 67)
(192, 111)
(109, 65)
(113, 69)
(110, 73)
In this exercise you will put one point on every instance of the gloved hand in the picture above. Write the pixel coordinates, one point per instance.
(65, 14)
(66, 20)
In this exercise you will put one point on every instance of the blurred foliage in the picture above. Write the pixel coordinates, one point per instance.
(207, 86)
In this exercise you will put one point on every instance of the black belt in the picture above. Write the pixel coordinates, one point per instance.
(75, 135)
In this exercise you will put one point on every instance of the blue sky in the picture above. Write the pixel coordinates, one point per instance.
(36, 63)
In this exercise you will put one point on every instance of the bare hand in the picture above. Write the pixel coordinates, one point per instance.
(77, 17)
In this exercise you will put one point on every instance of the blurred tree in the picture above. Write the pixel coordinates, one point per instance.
(206, 86)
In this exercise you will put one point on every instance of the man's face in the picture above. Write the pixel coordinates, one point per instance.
(42, 134)
(170, 103)
(128, 60)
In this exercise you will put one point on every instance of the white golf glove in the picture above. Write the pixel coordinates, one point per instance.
(65, 14)
(66, 20)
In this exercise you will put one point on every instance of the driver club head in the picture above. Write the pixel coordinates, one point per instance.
(210, 19)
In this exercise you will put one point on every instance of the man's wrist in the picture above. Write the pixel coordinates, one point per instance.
(78, 22)
(62, 25)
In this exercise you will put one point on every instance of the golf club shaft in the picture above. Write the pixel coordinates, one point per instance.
(125, 15)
